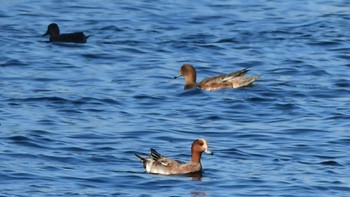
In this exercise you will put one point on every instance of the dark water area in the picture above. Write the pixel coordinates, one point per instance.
(72, 115)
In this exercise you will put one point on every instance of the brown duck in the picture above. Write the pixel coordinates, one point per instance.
(233, 80)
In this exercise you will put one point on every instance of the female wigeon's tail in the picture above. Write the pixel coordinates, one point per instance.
(247, 81)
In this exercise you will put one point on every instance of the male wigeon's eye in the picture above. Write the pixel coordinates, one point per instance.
(200, 142)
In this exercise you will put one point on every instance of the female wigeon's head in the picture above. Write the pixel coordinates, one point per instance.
(200, 146)
(190, 75)
(187, 70)
(53, 30)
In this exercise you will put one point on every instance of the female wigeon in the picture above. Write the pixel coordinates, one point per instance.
(232, 80)
(159, 164)
(55, 36)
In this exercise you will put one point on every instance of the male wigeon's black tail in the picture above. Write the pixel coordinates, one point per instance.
(142, 159)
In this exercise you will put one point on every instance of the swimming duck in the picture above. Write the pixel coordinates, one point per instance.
(159, 164)
(54, 31)
(233, 80)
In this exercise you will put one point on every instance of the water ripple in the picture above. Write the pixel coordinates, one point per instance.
(72, 115)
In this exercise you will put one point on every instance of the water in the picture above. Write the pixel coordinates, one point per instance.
(72, 115)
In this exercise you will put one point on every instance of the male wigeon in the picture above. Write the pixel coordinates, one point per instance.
(159, 164)
(54, 31)
(233, 80)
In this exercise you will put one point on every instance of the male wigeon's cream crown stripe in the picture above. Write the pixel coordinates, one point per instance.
(233, 80)
(54, 31)
(159, 164)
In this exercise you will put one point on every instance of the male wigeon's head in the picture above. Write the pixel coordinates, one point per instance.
(200, 145)
(53, 30)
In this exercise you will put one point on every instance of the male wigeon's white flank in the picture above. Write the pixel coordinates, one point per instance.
(159, 164)
(233, 80)
(54, 31)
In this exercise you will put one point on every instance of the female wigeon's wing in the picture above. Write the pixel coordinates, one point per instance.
(234, 74)
(212, 80)
(223, 78)
(242, 81)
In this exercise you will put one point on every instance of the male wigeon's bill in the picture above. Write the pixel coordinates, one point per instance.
(54, 31)
(159, 164)
(233, 80)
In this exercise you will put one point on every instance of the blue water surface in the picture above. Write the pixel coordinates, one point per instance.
(72, 115)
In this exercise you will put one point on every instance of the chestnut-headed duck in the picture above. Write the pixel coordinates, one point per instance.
(233, 80)
(159, 164)
(54, 31)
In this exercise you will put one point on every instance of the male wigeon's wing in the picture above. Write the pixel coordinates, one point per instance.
(163, 160)
(180, 162)
(155, 155)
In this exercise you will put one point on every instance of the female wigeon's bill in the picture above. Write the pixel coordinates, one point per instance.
(232, 80)
(54, 31)
(159, 164)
